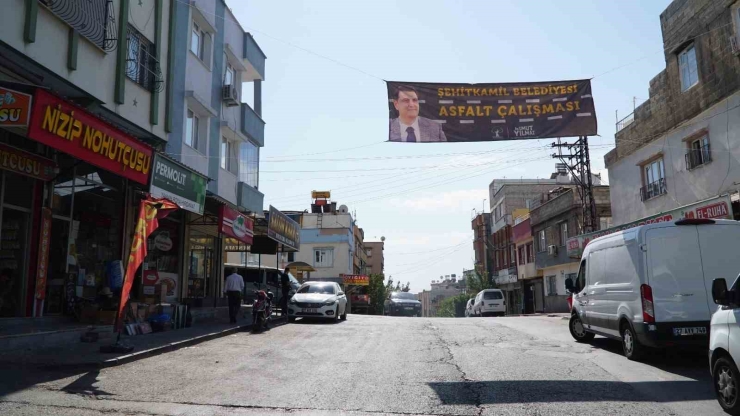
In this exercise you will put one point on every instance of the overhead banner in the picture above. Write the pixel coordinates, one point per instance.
(715, 208)
(181, 185)
(422, 112)
(283, 229)
(236, 225)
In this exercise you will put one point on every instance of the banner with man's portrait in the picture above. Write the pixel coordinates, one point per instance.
(422, 112)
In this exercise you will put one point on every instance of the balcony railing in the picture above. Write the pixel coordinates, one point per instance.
(653, 189)
(93, 19)
(698, 156)
(625, 121)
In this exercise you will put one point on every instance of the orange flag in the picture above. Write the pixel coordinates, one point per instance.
(151, 210)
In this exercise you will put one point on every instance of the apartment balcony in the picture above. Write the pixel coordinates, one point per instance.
(653, 190)
(249, 198)
(252, 125)
(254, 59)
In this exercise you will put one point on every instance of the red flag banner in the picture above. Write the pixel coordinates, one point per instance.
(150, 212)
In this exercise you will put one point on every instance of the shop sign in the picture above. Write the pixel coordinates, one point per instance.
(43, 259)
(163, 242)
(507, 278)
(236, 225)
(715, 208)
(15, 108)
(181, 185)
(284, 230)
(25, 163)
(77, 132)
(321, 194)
(355, 279)
(234, 245)
(167, 281)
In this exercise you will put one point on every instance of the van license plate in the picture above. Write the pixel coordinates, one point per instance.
(697, 330)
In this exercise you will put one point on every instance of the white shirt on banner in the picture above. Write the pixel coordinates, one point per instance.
(234, 282)
(414, 125)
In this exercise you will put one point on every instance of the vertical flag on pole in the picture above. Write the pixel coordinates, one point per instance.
(150, 211)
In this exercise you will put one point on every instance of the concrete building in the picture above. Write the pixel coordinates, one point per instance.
(529, 276)
(327, 244)
(482, 244)
(509, 199)
(681, 145)
(555, 218)
(447, 287)
(360, 255)
(375, 257)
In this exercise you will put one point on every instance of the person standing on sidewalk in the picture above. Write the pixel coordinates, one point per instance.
(285, 286)
(234, 288)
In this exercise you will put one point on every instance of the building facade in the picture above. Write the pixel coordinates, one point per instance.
(360, 254)
(528, 275)
(327, 244)
(447, 287)
(557, 217)
(482, 244)
(680, 146)
(375, 257)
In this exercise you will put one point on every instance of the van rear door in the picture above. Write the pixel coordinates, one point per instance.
(675, 274)
(720, 246)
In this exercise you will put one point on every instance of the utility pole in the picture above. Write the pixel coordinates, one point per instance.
(578, 162)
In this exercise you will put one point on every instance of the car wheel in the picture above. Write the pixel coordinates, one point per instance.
(344, 315)
(336, 315)
(633, 350)
(725, 376)
(578, 331)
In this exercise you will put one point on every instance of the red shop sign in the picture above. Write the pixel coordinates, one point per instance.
(235, 224)
(19, 161)
(73, 130)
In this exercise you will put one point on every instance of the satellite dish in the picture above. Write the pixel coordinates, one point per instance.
(343, 209)
(382, 238)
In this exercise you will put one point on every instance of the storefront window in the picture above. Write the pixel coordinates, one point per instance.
(200, 270)
(18, 190)
(162, 263)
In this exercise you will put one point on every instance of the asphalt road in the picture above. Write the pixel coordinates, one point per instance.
(379, 365)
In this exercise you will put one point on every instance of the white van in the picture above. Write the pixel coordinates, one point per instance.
(650, 286)
(489, 302)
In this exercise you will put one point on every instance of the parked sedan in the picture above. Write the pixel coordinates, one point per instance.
(318, 300)
(402, 303)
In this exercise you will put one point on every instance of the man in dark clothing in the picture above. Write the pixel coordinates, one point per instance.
(234, 287)
(285, 286)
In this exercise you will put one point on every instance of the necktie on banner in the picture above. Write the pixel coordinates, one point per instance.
(411, 135)
(151, 210)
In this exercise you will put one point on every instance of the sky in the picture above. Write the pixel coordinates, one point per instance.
(326, 110)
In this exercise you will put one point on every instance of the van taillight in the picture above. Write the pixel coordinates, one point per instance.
(648, 311)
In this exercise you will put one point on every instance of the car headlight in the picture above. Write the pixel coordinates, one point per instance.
(292, 300)
(330, 302)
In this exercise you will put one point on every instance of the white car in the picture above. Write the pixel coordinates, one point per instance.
(469, 308)
(318, 300)
(489, 302)
(724, 345)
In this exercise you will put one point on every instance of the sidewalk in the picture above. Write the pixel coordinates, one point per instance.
(87, 355)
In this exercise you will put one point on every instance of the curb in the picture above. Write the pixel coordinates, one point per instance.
(129, 358)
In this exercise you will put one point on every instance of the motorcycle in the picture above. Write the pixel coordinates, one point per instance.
(261, 310)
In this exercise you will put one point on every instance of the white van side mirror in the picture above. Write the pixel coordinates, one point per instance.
(720, 294)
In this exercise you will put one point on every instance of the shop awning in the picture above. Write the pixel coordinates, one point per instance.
(300, 266)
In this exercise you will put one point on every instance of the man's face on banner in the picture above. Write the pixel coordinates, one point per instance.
(407, 104)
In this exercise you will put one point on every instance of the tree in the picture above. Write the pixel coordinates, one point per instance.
(453, 307)
(377, 290)
(478, 281)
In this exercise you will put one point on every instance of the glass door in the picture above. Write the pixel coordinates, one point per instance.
(13, 254)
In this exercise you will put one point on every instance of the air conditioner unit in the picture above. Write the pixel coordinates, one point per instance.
(230, 96)
(552, 250)
(734, 45)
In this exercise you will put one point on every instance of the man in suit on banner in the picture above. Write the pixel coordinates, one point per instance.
(409, 127)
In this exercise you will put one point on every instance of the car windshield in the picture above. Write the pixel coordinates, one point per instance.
(323, 289)
(492, 295)
(403, 295)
